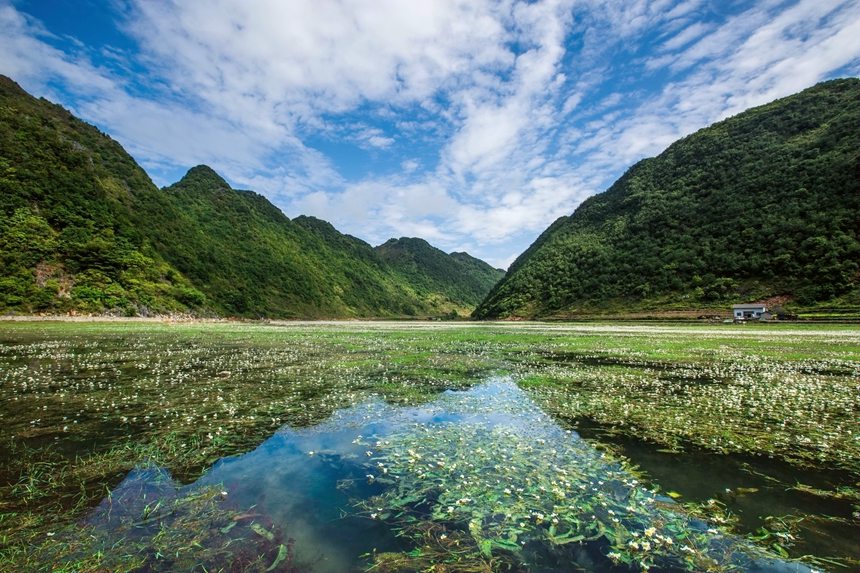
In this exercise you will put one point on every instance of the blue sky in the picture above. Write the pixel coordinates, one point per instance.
(471, 123)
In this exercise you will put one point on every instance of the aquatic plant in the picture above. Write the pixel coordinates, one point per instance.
(85, 403)
(495, 478)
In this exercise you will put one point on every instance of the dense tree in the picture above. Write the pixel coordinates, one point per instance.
(764, 203)
(67, 237)
(460, 277)
(82, 227)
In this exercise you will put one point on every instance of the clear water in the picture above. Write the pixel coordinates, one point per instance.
(752, 488)
(488, 464)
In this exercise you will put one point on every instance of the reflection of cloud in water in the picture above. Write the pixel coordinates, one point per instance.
(491, 446)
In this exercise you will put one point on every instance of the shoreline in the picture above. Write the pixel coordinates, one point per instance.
(594, 326)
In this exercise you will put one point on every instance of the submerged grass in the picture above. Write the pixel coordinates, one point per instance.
(85, 403)
(147, 525)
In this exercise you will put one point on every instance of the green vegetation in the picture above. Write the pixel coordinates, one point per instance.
(83, 229)
(503, 485)
(68, 238)
(148, 525)
(463, 279)
(84, 403)
(251, 260)
(738, 404)
(764, 204)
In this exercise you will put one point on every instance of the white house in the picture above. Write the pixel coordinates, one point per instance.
(746, 311)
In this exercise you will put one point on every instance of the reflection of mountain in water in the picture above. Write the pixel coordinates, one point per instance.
(303, 485)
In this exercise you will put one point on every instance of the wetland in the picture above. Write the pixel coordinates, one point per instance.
(407, 446)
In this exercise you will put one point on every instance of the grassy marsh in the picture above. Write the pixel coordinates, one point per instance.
(85, 403)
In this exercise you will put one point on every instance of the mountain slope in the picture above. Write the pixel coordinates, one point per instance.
(251, 260)
(461, 278)
(84, 229)
(764, 203)
(68, 236)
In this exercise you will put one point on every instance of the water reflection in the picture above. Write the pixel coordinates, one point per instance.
(484, 467)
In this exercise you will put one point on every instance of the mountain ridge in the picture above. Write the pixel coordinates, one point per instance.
(762, 204)
(84, 229)
(462, 278)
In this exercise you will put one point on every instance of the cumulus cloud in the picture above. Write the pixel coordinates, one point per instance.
(290, 61)
(410, 165)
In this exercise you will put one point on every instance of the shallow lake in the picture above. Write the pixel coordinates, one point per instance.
(485, 467)
(403, 448)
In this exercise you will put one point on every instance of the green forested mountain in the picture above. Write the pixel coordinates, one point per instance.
(69, 235)
(461, 278)
(766, 203)
(253, 261)
(83, 228)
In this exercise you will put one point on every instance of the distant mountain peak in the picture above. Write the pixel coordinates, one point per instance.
(203, 174)
(311, 221)
(461, 277)
(7, 84)
(407, 240)
(465, 257)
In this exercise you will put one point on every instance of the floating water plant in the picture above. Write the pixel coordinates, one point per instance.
(147, 523)
(85, 404)
(488, 472)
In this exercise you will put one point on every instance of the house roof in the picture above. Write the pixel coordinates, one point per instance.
(748, 306)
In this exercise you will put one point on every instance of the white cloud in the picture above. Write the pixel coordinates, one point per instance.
(371, 137)
(28, 57)
(170, 132)
(488, 136)
(685, 36)
(288, 61)
(379, 141)
(682, 9)
(410, 165)
(528, 211)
